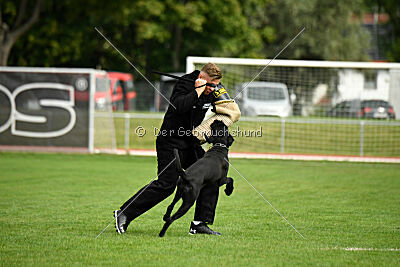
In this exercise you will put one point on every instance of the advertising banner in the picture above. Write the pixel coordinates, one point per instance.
(45, 107)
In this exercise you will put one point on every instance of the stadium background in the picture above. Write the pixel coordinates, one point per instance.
(57, 71)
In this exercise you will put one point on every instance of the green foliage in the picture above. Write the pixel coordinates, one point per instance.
(157, 34)
(392, 42)
(333, 31)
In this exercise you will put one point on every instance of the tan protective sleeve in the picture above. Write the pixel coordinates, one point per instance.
(227, 111)
(231, 109)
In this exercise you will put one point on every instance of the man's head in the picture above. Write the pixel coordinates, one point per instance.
(212, 74)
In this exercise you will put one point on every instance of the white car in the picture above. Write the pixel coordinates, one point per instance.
(264, 99)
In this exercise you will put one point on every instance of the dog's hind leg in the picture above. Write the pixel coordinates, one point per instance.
(189, 198)
(165, 227)
(178, 195)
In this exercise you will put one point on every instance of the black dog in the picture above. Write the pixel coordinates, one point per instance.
(212, 168)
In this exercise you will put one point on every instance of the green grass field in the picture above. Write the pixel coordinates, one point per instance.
(53, 206)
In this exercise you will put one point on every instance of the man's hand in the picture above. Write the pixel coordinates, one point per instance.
(200, 82)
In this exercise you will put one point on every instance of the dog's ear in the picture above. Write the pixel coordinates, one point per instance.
(230, 139)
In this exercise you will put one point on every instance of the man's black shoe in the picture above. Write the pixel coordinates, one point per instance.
(201, 228)
(121, 222)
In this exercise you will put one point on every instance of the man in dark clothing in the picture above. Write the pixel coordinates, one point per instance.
(189, 103)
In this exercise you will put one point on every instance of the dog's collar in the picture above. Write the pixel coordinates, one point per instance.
(216, 144)
(221, 145)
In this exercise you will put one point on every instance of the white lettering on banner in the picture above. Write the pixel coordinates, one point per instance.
(15, 115)
(11, 99)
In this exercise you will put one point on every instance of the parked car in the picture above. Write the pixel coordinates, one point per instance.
(122, 91)
(264, 99)
(372, 109)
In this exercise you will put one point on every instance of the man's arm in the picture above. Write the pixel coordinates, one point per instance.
(185, 97)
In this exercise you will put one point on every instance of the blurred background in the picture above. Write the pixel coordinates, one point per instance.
(159, 35)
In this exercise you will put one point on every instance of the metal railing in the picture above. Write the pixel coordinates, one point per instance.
(282, 121)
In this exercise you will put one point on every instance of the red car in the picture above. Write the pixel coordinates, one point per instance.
(119, 88)
(122, 90)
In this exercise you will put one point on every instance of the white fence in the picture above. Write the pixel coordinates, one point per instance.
(281, 135)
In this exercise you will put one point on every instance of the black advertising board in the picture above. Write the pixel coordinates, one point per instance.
(45, 107)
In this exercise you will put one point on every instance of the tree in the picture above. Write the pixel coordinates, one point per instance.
(219, 28)
(333, 29)
(392, 42)
(160, 34)
(10, 34)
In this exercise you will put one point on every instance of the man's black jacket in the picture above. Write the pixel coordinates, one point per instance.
(188, 113)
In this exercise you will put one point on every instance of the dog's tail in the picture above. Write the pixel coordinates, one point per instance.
(181, 172)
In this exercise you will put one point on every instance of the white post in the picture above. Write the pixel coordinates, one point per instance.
(189, 65)
(92, 89)
(127, 129)
(362, 138)
(283, 136)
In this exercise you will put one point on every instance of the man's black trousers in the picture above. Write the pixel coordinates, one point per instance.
(164, 186)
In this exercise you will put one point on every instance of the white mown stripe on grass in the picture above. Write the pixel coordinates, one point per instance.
(363, 249)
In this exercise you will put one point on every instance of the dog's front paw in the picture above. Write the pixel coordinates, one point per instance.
(229, 187)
